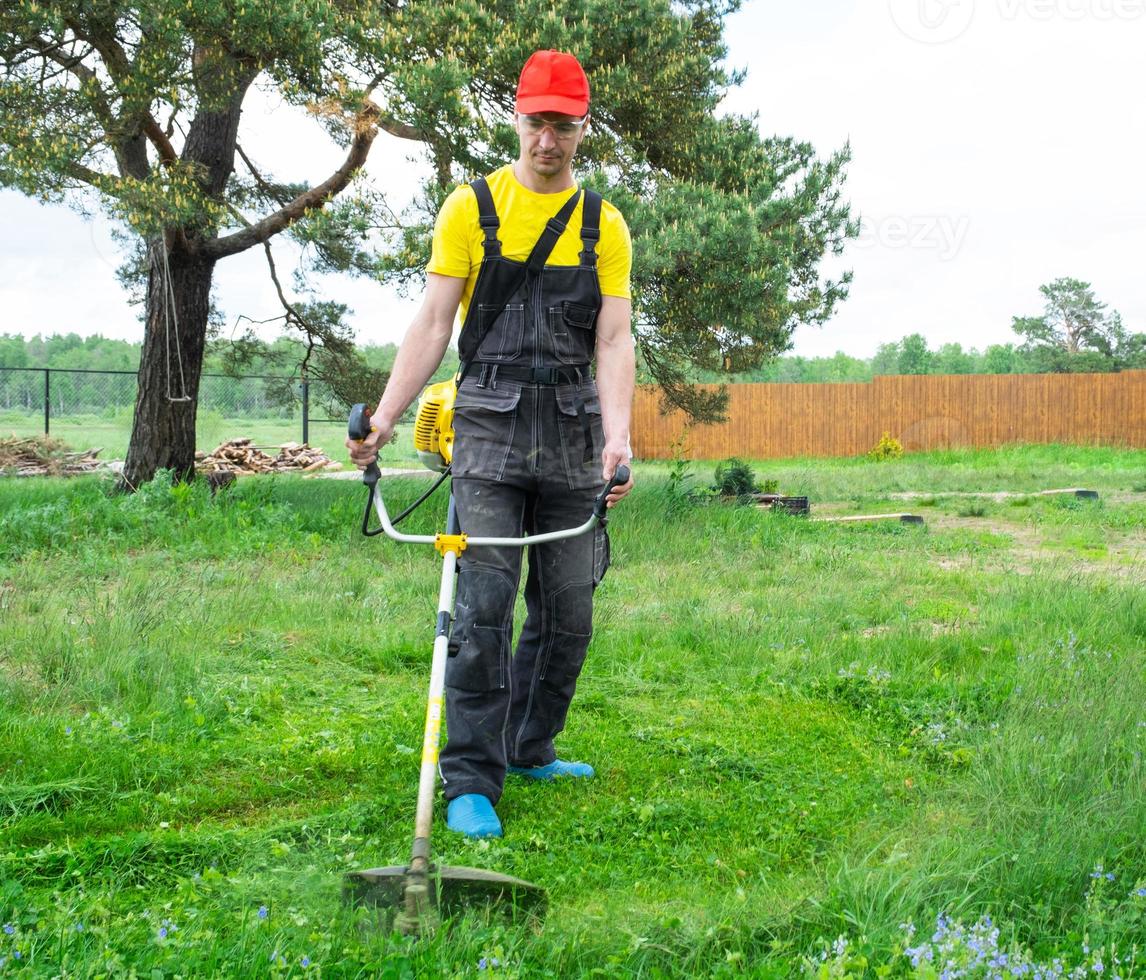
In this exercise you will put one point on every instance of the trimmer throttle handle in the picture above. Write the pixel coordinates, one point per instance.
(620, 476)
(358, 428)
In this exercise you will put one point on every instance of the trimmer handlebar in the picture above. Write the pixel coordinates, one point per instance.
(359, 428)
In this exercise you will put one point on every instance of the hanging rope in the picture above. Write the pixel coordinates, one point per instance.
(170, 316)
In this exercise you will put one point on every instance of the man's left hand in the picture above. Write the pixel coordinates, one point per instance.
(611, 458)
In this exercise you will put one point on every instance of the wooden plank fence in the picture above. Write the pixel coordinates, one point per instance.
(772, 421)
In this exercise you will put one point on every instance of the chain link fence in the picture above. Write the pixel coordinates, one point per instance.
(89, 408)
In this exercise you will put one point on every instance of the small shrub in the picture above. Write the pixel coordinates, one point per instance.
(680, 494)
(734, 478)
(972, 510)
(887, 448)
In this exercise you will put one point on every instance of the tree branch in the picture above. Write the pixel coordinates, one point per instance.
(114, 57)
(73, 64)
(96, 179)
(271, 192)
(119, 67)
(366, 128)
(158, 138)
(400, 129)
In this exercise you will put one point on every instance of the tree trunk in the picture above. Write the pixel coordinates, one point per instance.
(179, 285)
(163, 431)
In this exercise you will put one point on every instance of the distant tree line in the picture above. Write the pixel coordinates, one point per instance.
(264, 382)
(1075, 333)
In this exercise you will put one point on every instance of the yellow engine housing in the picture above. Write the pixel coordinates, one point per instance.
(434, 425)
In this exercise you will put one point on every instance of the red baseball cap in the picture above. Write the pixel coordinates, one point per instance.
(553, 81)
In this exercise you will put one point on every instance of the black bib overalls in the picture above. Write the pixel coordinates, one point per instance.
(527, 458)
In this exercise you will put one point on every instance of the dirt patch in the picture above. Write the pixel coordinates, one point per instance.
(1029, 546)
(869, 631)
(1124, 554)
(23, 676)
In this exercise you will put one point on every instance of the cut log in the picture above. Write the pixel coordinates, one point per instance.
(241, 457)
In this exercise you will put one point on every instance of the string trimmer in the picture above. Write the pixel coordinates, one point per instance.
(420, 890)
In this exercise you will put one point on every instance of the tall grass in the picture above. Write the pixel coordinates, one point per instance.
(210, 706)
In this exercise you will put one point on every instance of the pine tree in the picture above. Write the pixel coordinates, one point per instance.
(136, 108)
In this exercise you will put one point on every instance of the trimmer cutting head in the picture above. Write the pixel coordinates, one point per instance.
(413, 903)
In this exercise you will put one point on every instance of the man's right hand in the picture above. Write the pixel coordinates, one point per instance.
(363, 453)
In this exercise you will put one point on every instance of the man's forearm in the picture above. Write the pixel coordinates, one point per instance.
(616, 369)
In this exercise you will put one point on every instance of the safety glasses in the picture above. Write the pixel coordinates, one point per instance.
(566, 129)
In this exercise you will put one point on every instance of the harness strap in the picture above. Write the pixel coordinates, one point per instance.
(590, 228)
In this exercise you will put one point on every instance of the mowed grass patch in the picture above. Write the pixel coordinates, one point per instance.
(212, 708)
(1014, 468)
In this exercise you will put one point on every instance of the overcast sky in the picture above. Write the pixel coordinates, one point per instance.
(996, 146)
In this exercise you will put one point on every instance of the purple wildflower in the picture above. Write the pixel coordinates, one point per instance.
(263, 912)
(9, 928)
(305, 961)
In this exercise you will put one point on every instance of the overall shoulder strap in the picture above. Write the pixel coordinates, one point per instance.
(554, 229)
(590, 228)
(487, 217)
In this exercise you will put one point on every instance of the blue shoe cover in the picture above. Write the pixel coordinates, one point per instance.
(474, 816)
(557, 769)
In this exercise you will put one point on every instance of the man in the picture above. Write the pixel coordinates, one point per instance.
(536, 435)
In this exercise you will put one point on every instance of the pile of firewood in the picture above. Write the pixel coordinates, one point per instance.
(41, 456)
(239, 456)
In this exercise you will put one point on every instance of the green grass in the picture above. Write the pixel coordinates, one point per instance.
(210, 707)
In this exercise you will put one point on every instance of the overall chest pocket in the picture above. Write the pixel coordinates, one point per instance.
(504, 337)
(572, 329)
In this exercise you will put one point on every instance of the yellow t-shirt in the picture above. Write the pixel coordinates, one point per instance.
(458, 237)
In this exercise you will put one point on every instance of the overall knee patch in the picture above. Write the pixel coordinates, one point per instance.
(479, 651)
